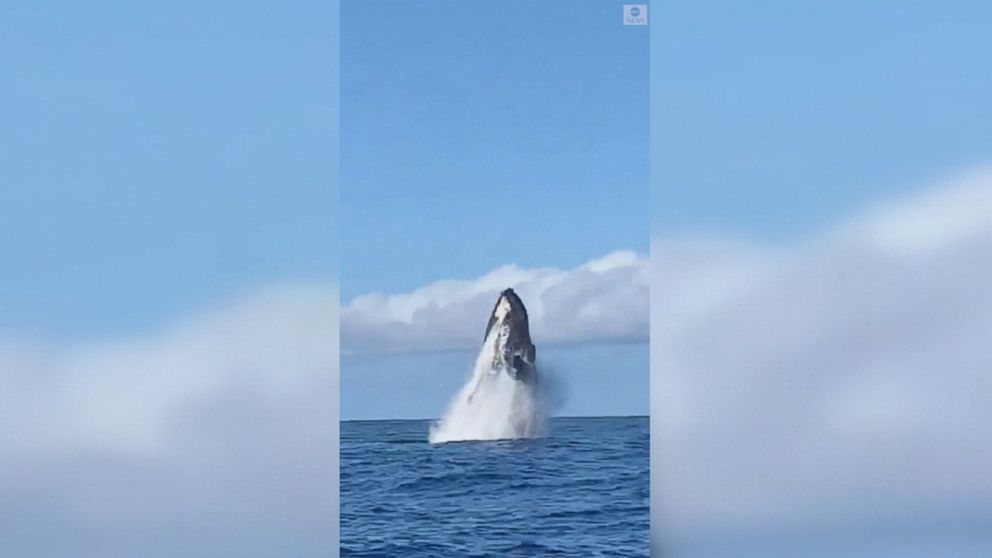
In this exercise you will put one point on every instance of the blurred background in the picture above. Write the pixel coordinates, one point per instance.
(821, 250)
(168, 295)
(821, 261)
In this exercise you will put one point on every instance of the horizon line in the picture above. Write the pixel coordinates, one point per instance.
(554, 417)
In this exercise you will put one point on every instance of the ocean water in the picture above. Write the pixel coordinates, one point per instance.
(580, 490)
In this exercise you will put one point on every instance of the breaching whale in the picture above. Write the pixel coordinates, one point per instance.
(509, 333)
(500, 400)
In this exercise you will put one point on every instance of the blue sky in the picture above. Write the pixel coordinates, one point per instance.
(593, 380)
(153, 161)
(479, 135)
(773, 118)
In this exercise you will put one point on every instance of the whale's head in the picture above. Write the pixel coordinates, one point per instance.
(509, 331)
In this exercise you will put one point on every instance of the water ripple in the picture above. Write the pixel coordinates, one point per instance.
(580, 491)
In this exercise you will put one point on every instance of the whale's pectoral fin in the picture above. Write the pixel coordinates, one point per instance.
(519, 364)
(522, 370)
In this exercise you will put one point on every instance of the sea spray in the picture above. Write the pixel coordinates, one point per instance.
(491, 405)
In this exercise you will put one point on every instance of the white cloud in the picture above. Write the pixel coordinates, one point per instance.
(839, 383)
(605, 299)
(213, 436)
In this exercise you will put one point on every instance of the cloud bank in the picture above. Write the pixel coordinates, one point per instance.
(835, 390)
(605, 299)
(214, 436)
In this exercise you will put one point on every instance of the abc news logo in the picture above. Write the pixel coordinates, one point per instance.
(635, 14)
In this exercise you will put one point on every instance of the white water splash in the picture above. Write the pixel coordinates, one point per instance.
(491, 405)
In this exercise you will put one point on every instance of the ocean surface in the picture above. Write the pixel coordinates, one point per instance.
(581, 490)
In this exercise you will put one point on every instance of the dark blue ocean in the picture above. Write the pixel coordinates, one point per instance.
(582, 490)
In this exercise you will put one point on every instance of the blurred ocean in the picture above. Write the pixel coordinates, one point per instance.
(581, 490)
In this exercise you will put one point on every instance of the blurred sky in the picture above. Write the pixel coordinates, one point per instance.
(821, 240)
(158, 157)
(773, 118)
(168, 298)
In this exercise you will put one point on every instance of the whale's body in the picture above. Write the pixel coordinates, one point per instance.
(509, 333)
(507, 340)
(500, 401)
